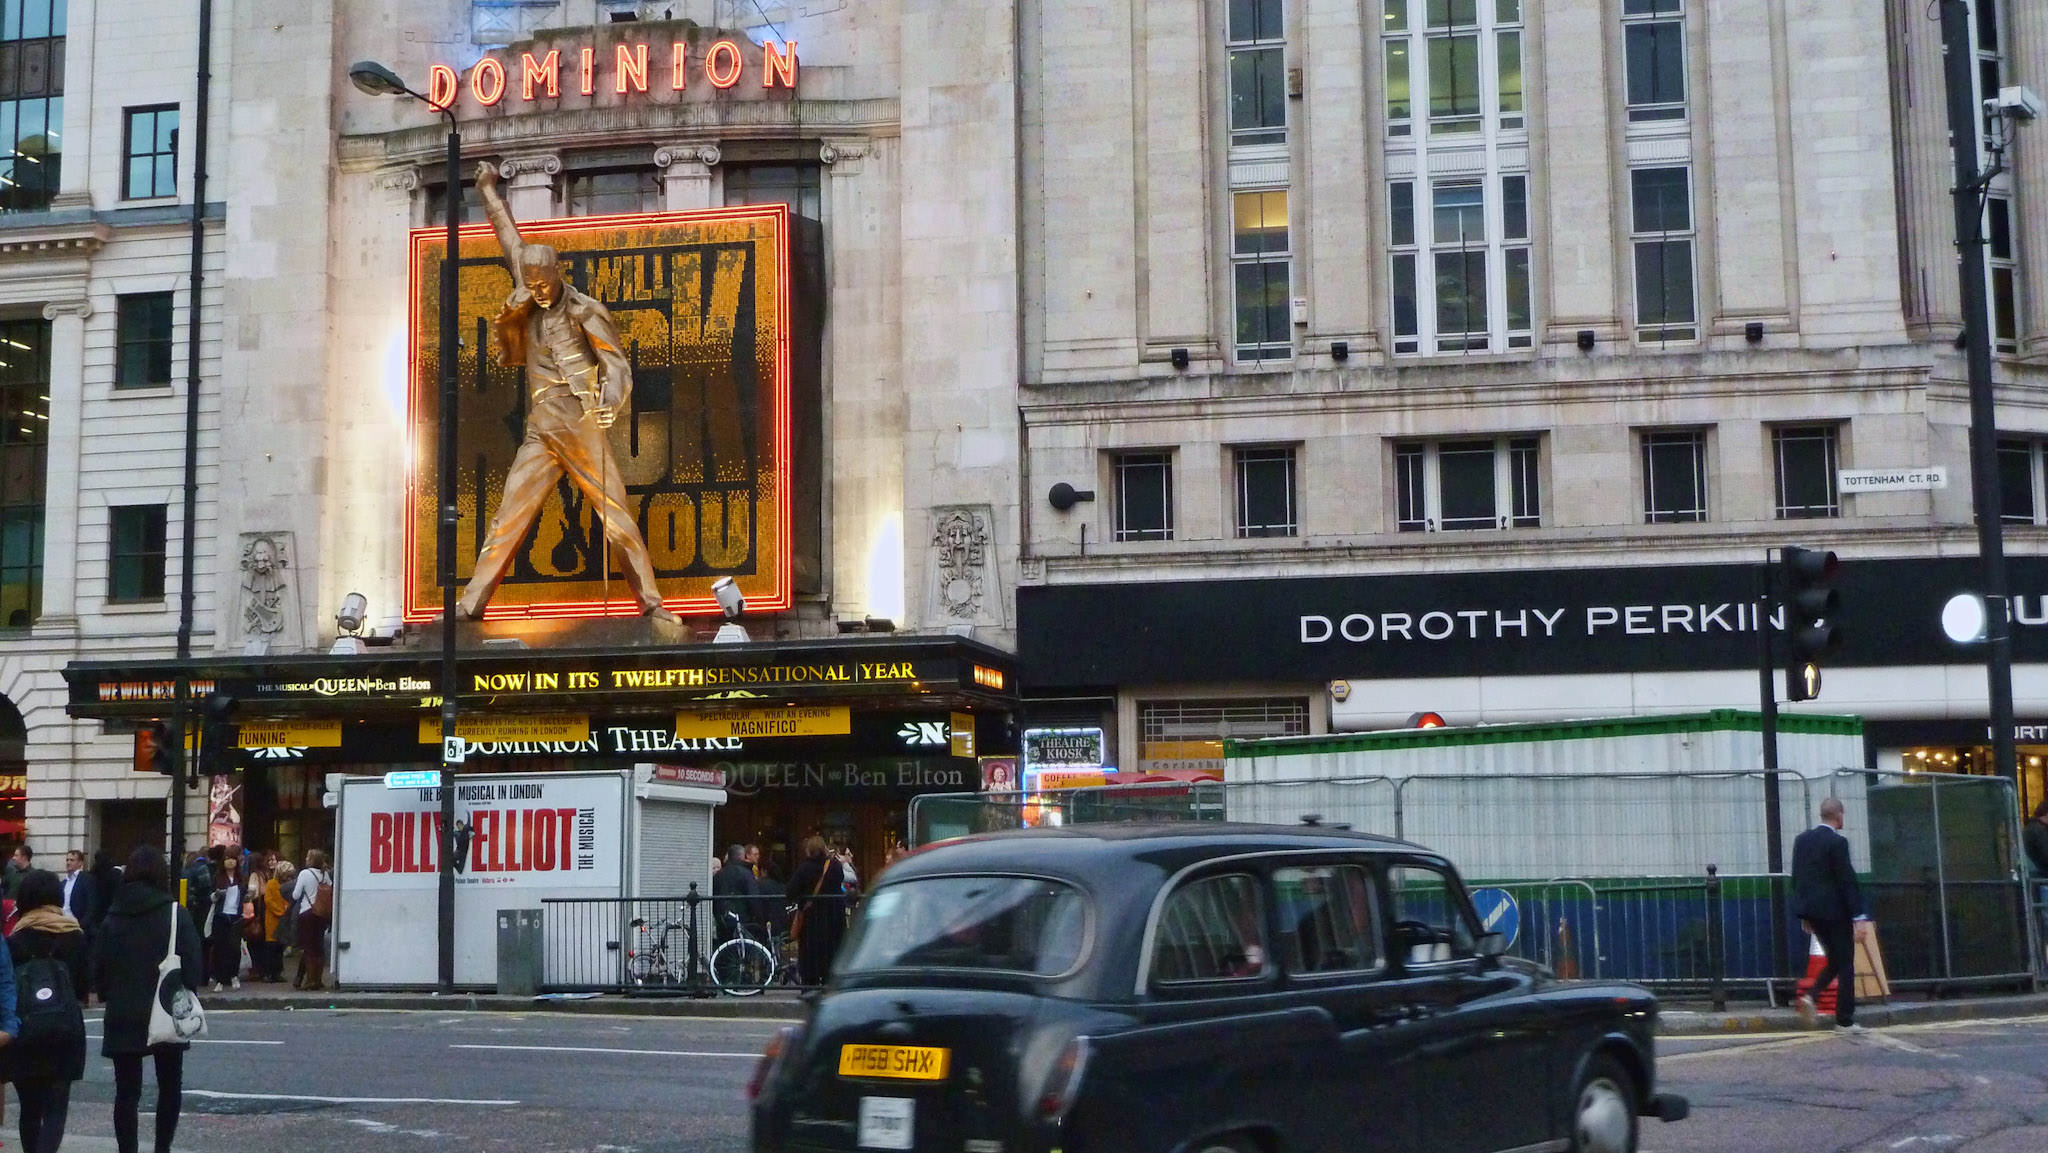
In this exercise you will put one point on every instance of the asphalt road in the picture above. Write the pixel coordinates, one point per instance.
(1973, 1086)
(313, 1081)
(320, 1081)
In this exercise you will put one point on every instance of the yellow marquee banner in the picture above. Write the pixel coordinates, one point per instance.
(289, 735)
(812, 721)
(535, 729)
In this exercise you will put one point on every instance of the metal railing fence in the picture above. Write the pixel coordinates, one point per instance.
(663, 945)
(1621, 875)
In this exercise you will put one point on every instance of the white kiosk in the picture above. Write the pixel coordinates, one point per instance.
(528, 836)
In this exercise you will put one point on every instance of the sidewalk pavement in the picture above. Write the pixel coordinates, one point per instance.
(1678, 1018)
(1692, 1019)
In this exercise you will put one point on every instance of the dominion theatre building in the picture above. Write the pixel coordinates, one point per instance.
(778, 206)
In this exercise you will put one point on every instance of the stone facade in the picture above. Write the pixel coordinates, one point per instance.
(1030, 262)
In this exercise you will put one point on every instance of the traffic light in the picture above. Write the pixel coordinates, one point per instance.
(217, 735)
(1806, 591)
(156, 749)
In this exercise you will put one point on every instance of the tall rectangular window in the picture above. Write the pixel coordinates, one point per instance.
(31, 103)
(612, 192)
(1260, 257)
(1674, 477)
(797, 185)
(2005, 312)
(1461, 59)
(24, 447)
(1266, 492)
(1804, 458)
(1662, 223)
(1458, 256)
(2019, 481)
(150, 152)
(142, 333)
(1258, 73)
(469, 211)
(135, 566)
(1653, 40)
(1459, 259)
(1467, 484)
(1144, 496)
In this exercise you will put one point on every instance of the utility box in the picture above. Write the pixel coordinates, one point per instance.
(518, 952)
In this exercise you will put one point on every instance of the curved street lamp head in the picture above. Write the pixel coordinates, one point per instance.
(375, 79)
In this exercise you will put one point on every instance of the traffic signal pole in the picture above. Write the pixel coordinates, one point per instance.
(1965, 128)
(1767, 707)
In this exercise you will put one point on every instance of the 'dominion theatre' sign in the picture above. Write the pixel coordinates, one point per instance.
(701, 300)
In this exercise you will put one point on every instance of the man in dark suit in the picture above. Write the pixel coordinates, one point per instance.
(734, 889)
(79, 899)
(1829, 904)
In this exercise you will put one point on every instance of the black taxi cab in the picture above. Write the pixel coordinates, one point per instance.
(1198, 989)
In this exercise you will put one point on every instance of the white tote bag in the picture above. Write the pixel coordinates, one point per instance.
(175, 1015)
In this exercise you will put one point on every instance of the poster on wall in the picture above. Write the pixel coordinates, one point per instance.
(701, 302)
(223, 811)
(531, 832)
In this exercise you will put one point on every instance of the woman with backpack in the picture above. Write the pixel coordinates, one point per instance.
(48, 952)
(313, 894)
(144, 929)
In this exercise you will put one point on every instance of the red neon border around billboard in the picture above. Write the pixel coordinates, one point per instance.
(784, 596)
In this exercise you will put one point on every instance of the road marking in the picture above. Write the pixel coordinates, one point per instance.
(220, 1096)
(205, 1041)
(594, 1049)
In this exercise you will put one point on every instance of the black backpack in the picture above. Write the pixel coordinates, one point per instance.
(51, 1019)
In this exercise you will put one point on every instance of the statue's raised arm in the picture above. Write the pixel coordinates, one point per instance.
(501, 216)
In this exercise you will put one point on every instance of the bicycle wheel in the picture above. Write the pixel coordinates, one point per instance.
(742, 967)
(643, 968)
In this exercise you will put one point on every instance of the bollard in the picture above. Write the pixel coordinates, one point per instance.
(1717, 962)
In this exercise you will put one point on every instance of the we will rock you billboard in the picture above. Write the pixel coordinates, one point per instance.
(701, 300)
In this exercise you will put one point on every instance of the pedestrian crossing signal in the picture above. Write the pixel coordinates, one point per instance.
(156, 749)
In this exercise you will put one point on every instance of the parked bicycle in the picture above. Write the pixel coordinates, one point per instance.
(743, 965)
(650, 963)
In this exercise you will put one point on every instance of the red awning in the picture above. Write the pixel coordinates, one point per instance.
(12, 828)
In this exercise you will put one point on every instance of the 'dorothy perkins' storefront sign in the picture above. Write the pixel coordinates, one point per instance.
(1502, 622)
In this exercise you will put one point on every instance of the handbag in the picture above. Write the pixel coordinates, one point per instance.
(175, 1015)
(796, 923)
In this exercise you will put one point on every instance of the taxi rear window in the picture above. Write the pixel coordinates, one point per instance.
(1001, 924)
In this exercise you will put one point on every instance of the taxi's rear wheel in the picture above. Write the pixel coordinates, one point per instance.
(1604, 1109)
(1225, 1145)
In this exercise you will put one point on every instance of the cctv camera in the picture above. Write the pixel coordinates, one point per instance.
(2016, 101)
(729, 597)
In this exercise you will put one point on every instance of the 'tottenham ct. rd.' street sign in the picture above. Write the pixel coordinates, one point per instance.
(1854, 480)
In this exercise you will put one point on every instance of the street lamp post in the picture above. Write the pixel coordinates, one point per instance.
(377, 80)
(1965, 126)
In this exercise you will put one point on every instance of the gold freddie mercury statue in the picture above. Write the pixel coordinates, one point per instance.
(578, 381)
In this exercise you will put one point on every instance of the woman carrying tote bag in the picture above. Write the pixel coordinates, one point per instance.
(145, 935)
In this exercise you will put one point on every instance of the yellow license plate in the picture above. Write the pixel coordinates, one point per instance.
(903, 1062)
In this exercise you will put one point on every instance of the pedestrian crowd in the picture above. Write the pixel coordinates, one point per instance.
(113, 931)
(811, 909)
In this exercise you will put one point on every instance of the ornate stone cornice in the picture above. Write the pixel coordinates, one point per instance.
(699, 153)
(71, 238)
(532, 163)
(80, 308)
(405, 179)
